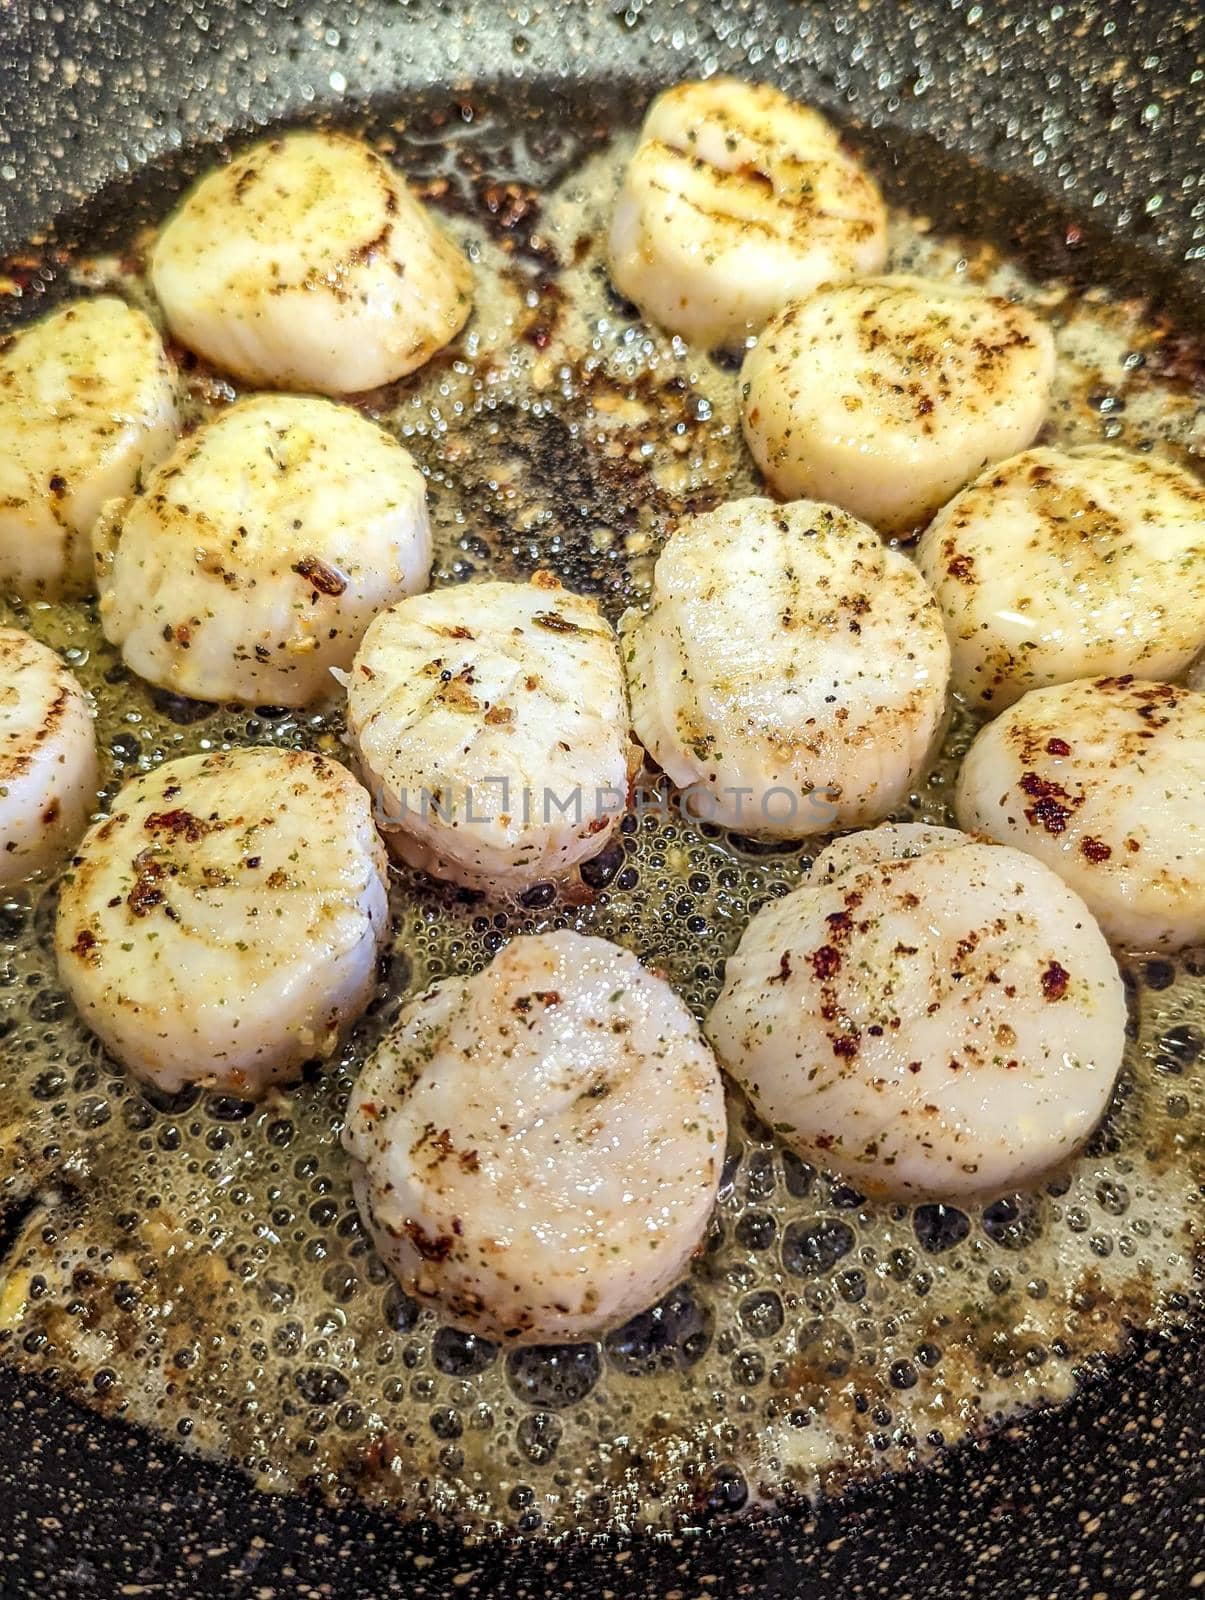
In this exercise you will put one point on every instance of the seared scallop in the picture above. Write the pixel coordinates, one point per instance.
(87, 404)
(307, 264)
(1104, 781)
(221, 926)
(491, 721)
(887, 396)
(537, 1148)
(254, 558)
(939, 1024)
(1069, 564)
(790, 674)
(48, 768)
(737, 200)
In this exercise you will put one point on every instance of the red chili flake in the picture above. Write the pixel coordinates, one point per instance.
(1052, 804)
(1054, 981)
(825, 961)
(181, 823)
(1057, 747)
(846, 1045)
(145, 895)
(1095, 849)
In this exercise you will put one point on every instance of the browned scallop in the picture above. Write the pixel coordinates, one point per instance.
(221, 925)
(790, 673)
(537, 1147)
(87, 405)
(307, 264)
(886, 396)
(250, 564)
(1063, 564)
(48, 766)
(943, 1020)
(738, 199)
(1103, 780)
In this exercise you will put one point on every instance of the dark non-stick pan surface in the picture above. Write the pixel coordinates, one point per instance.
(1087, 124)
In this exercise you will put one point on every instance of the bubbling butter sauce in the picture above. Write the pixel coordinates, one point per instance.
(196, 1265)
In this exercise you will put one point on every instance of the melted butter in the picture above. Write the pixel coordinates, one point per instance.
(196, 1265)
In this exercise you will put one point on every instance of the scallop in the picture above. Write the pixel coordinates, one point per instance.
(87, 404)
(221, 925)
(1103, 781)
(790, 674)
(255, 557)
(536, 1149)
(306, 263)
(491, 723)
(737, 200)
(887, 396)
(48, 767)
(1059, 565)
(943, 1021)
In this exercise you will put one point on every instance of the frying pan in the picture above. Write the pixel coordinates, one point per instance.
(1069, 135)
